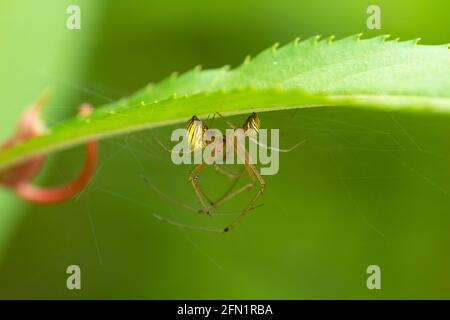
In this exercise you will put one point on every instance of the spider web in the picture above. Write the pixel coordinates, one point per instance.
(356, 166)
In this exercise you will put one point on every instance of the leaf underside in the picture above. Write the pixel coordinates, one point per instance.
(374, 73)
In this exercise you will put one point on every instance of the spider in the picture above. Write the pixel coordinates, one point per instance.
(195, 139)
(195, 131)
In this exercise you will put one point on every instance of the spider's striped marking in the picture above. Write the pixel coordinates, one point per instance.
(252, 123)
(195, 130)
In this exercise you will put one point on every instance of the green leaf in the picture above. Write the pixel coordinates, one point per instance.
(372, 73)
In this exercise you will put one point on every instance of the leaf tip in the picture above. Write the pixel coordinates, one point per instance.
(247, 59)
(275, 46)
(331, 38)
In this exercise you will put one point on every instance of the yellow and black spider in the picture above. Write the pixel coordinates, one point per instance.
(196, 130)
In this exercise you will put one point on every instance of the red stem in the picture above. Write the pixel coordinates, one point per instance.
(30, 192)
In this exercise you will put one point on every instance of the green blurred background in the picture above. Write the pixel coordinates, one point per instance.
(369, 187)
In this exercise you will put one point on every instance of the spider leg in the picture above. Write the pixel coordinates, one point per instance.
(190, 226)
(209, 122)
(231, 125)
(187, 226)
(181, 203)
(229, 194)
(212, 120)
(227, 172)
(256, 178)
(193, 179)
(167, 148)
(278, 149)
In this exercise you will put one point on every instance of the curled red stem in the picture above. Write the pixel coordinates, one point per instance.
(19, 178)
